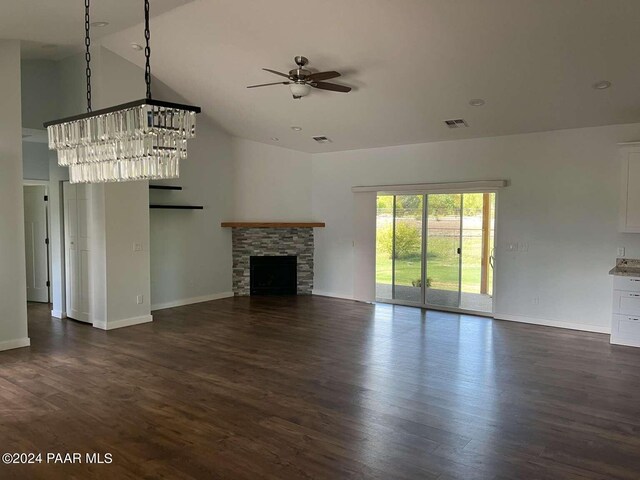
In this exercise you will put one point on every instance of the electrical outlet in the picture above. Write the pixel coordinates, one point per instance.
(140, 299)
(620, 251)
(137, 247)
(535, 300)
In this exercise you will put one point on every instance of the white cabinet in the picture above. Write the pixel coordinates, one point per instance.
(625, 324)
(629, 217)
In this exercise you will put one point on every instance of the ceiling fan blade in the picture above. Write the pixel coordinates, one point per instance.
(323, 76)
(267, 84)
(285, 75)
(331, 86)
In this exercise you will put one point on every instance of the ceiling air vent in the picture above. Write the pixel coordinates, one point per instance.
(322, 139)
(456, 123)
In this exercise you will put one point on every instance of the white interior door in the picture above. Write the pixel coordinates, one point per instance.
(76, 243)
(35, 235)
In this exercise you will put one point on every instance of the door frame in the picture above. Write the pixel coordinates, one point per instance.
(44, 183)
(426, 306)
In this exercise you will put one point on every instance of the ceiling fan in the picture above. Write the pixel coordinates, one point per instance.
(302, 80)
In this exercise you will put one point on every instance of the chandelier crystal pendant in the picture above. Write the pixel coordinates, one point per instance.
(140, 140)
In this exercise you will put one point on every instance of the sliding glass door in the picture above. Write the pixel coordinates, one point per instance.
(407, 248)
(436, 250)
(443, 249)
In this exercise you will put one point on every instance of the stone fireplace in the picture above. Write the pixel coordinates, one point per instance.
(294, 241)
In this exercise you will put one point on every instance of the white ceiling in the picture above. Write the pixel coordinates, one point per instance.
(412, 63)
(53, 29)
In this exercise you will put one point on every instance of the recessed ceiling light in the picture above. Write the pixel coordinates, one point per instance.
(296, 129)
(99, 24)
(476, 102)
(602, 85)
(275, 139)
(136, 46)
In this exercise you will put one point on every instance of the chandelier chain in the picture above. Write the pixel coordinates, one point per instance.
(147, 49)
(87, 55)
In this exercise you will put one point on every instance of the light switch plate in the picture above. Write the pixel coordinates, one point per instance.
(140, 299)
(620, 252)
(137, 247)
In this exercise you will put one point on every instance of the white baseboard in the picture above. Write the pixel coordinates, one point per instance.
(624, 342)
(190, 301)
(323, 293)
(127, 322)
(58, 314)
(17, 343)
(552, 323)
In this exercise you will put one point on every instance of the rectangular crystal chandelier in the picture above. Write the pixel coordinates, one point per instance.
(141, 140)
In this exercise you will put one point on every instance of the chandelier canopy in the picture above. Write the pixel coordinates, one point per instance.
(140, 140)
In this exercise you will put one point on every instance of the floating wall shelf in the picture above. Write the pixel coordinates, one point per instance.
(172, 207)
(178, 207)
(164, 187)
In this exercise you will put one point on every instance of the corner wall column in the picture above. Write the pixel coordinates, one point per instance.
(13, 277)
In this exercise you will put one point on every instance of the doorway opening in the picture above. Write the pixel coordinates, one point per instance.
(36, 236)
(436, 250)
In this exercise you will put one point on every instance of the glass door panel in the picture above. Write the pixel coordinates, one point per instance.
(407, 248)
(444, 230)
(477, 244)
(384, 247)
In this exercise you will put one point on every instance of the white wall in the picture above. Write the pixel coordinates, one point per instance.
(13, 293)
(41, 99)
(270, 183)
(35, 161)
(562, 201)
(190, 252)
(120, 213)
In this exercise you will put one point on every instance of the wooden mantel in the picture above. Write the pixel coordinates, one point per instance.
(272, 224)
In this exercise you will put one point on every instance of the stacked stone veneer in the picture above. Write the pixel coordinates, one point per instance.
(249, 242)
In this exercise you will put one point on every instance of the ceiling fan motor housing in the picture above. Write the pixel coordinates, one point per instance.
(299, 74)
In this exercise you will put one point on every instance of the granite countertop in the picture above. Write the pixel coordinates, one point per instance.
(626, 267)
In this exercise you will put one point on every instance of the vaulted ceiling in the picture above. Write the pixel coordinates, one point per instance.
(53, 29)
(412, 64)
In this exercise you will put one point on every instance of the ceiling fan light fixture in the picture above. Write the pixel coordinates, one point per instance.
(299, 90)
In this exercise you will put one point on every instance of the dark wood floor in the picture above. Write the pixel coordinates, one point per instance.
(312, 387)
